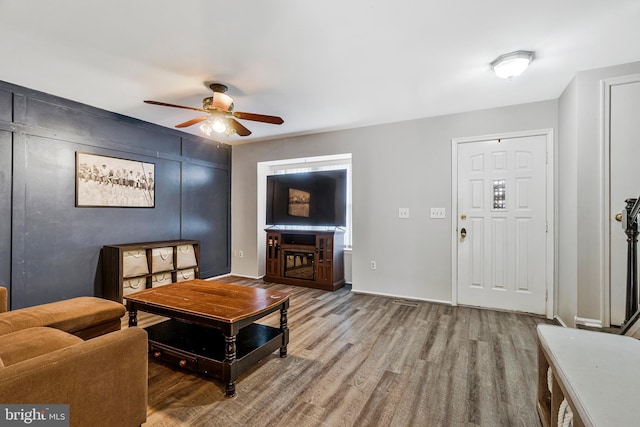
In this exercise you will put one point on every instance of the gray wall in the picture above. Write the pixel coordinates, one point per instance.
(566, 207)
(50, 249)
(405, 164)
(584, 175)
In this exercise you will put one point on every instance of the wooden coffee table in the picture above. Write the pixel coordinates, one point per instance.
(211, 329)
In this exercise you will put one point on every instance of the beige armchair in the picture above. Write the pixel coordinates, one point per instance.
(103, 379)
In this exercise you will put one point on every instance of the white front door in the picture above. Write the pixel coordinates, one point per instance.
(502, 208)
(624, 184)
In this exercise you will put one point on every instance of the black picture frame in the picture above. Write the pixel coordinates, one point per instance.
(105, 181)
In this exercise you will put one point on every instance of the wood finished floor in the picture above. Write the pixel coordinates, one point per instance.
(362, 360)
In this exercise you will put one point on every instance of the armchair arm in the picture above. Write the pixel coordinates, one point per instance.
(104, 380)
(4, 303)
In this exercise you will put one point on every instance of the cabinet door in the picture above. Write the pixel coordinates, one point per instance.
(273, 254)
(324, 262)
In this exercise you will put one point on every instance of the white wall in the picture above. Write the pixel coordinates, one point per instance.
(566, 207)
(405, 164)
(589, 203)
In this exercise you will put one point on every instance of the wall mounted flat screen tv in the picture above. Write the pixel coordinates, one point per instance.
(310, 198)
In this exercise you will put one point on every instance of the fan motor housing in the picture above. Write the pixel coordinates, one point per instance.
(219, 101)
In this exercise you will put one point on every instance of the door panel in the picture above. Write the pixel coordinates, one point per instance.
(502, 208)
(499, 256)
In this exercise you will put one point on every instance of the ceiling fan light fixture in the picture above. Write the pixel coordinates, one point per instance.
(207, 127)
(221, 117)
(216, 125)
(219, 125)
(512, 64)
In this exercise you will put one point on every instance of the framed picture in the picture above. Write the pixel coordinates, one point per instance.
(299, 202)
(103, 181)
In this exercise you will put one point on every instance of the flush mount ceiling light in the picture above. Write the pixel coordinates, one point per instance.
(512, 64)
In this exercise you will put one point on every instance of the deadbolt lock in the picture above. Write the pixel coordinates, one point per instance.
(463, 217)
(619, 217)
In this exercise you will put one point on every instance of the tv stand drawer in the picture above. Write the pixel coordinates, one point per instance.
(299, 239)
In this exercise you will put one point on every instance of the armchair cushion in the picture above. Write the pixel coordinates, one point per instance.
(28, 343)
(76, 316)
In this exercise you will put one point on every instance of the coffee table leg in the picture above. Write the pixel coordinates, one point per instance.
(133, 317)
(229, 358)
(285, 331)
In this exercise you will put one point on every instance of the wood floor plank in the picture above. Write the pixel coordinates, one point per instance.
(379, 408)
(366, 360)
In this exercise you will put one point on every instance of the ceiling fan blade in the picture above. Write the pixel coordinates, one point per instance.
(164, 104)
(192, 122)
(240, 130)
(275, 120)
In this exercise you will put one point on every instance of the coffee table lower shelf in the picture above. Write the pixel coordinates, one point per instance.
(201, 349)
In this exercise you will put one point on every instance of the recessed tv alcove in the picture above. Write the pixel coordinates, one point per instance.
(308, 199)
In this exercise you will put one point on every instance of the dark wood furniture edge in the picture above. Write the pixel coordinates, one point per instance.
(133, 306)
(155, 244)
(543, 400)
(548, 403)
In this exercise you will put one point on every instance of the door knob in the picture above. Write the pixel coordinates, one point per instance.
(619, 217)
(463, 233)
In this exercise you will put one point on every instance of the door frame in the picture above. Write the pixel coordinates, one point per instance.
(606, 212)
(550, 211)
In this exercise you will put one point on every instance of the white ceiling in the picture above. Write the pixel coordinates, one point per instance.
(321, 65)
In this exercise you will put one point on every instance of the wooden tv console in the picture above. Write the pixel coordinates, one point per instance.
(310, 258)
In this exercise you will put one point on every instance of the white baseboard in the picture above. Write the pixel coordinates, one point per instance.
(592, 323)
(233, 274)
(217, 277)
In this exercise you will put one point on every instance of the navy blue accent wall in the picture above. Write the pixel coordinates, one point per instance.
(50, 249)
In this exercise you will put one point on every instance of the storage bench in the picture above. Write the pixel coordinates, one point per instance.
(596, 372)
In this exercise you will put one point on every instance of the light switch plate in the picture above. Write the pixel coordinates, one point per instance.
(403, 213)
(438, 213)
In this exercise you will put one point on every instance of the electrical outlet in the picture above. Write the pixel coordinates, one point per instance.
(240, 254)
(438, 213)
(373, 265)
(403, 213)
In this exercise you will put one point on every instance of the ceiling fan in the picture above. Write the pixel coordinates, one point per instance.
(220, 116)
